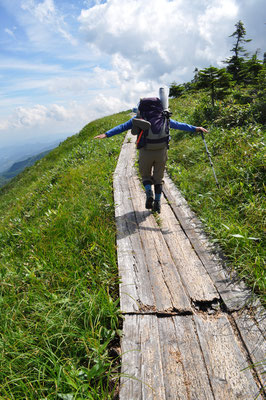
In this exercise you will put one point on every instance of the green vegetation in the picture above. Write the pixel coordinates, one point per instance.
(59, 301)
(3, 181)
(231, 103)
(217, 80)
(233, 214)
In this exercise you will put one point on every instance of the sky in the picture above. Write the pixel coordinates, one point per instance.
(64, 63)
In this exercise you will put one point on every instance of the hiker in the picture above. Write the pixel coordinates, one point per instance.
(151, 125)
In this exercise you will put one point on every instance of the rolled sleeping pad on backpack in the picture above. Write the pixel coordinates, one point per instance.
(163, 94)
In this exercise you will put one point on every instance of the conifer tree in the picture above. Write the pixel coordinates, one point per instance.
(216, 80)
(235, 63)
(250, 70)
(176, 90)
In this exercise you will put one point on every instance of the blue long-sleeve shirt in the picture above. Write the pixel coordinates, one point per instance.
(128, 125)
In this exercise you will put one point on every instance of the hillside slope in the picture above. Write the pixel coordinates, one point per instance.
(59, 297)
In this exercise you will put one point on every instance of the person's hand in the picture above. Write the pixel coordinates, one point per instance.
(200, 129)
(101, 136)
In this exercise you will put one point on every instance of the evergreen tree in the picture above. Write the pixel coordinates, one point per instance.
(260, 102)
(176, 90)
(196, 76)
(217, 81)
(250, 69)
(235, 63)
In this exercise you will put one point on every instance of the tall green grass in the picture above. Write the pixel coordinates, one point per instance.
(59, 316)
(234, 214)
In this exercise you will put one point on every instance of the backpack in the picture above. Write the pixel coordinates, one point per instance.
(157, 135)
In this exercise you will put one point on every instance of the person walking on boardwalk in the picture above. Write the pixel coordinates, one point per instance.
(151, 126)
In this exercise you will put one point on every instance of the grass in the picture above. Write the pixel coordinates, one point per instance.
(234, 214)
(59, 301)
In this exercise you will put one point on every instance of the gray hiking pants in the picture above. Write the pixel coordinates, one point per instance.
(152, 164)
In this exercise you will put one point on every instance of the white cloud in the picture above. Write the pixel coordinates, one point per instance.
(33, 116)
(210, 23)
(10, 32)
(44, 21)
(158, 37)
(29, 117)
(39, 116)
(43, 11)
(105, 105)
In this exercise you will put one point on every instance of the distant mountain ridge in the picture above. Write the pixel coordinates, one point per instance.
(20, 152)
(19, 166)
(14, 159)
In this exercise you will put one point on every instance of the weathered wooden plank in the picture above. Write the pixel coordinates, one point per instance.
(122, 157)
(152, 369)
(194, 276)
(127, 288)
(177, 290)
(163, 300)
(234, 294)
(176, 380)
(185, 374)
(135, 290)
(162, 359)
(168, 288)
(147, 224)
(142, 373)
(225, 360)
(130, 382)
(254, 341)
(125, 257)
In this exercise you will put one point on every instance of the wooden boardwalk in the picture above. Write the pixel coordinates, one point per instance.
(188, 330)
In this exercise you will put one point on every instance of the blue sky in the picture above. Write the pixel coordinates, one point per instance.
(64, 62)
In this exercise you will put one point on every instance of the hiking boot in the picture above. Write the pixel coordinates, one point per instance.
(156, 206)
(149, 199)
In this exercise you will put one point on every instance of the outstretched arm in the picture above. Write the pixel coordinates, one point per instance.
(117, 129)
(186, 127)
